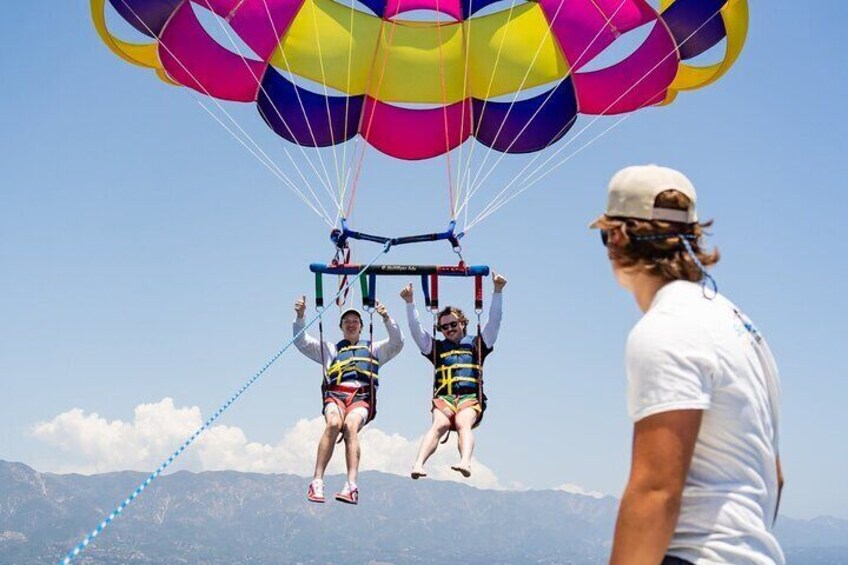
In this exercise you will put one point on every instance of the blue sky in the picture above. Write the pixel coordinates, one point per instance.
(146, 256)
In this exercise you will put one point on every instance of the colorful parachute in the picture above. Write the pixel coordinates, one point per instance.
(416, 89)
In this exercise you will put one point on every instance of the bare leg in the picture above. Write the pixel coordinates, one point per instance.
(328, 441)
(441, 424)
(465, 440)
(352, 423)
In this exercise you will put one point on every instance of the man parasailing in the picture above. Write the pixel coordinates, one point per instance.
(349, 389)
(458, 399)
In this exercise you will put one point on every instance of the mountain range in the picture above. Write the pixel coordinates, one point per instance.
(238, 518)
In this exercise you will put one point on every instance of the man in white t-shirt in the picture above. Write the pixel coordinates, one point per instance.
(703, 390)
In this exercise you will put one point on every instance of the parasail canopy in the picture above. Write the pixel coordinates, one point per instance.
(417, 89)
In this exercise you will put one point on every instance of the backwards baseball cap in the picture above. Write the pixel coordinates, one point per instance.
(634, 190)
(351, 311)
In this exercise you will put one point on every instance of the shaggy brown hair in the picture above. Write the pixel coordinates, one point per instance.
(448, 310)
(663, 257)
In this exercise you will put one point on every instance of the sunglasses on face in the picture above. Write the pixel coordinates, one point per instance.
(448, 326)
(604, 237)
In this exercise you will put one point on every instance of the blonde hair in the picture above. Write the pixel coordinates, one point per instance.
(641, 244)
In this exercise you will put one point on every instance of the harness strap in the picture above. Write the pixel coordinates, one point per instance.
(454, 352)
(478, 309)
(372, 393)
(449, 383)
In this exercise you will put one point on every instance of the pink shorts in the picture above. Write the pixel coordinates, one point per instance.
(347, 400)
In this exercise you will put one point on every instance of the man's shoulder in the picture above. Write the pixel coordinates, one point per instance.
(666, 328)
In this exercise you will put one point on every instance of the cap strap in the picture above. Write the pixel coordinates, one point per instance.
(671, 215)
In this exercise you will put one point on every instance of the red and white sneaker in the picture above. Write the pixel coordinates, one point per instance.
(349, 494)
(316, 491)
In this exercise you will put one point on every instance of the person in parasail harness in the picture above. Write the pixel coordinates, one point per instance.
(458, 399)
(351, 369)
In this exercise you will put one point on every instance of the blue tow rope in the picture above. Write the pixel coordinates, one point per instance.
(117, 511)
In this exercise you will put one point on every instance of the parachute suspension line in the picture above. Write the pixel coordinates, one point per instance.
(372, 392)
(466, 46)
(478, 310)
(367, 130)
(279, 174)
(327, 99)
(479, 185)
(527, 181)
(604, 15)
(261, 87)
(303, 111)
(72, 554)
(504, 201)
(470, 158)
(473, 189)
(269, 162)
(352, 176)
(451, 205)
(319, 307)
(344, 181)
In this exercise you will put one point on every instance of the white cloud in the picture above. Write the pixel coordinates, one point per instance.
(577, 489)
(94, 444)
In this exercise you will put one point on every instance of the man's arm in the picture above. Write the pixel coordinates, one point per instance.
(493, 323)
(304, 342)
(662, 452)
(307, 344)
(386, 349)
(422, 339)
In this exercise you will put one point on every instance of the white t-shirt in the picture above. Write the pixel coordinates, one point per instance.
(689, 352)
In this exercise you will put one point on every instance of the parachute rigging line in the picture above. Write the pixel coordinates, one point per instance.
(491, 81)
(373, 106)
(475, 185)
(343, 188)
(278, 173)
(261, 87)
(268, 161)
(528, 180)
(521, 86)
(326, 95)
(72, 554)
(451, 205)
(573, 154)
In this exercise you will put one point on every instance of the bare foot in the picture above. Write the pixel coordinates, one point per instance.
(418, 472)
(462, 468)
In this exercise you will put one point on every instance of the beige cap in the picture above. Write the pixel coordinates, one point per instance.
(633, 191)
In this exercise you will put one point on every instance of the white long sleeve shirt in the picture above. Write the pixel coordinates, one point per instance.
(383, 350)
(490, 330)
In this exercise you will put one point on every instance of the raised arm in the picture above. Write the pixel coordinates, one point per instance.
(386, 349)
(493, 323)
(304, 342)
(421, 338)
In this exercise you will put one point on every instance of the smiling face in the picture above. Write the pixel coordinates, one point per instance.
(351, 325)
(452, 327)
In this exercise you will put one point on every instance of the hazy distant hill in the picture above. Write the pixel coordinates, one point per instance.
(240, 518)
